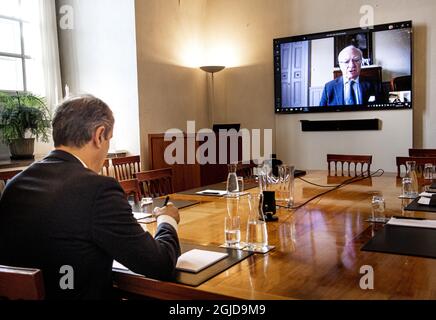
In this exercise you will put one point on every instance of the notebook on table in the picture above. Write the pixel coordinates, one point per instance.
(196, 260)
(405, 236)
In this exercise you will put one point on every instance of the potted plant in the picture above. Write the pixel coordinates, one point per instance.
(23, 117)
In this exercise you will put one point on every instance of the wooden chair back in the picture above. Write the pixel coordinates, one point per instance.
(126, 167)
(105, 170)
(21, 284)
(349, 165)
(422, 152)
(156, 183)
(131, 187)
(420, 163)
(7, 175)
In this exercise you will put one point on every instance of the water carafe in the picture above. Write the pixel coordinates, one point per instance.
(257, 235)
(232, 181)
(411, 173)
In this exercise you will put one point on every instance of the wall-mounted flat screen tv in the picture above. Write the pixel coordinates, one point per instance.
(345, 70)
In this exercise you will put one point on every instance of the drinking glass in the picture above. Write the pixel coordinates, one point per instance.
(232, 230)
(285, 191)
(257, 235)
(378, 209)
(241, 184)
(407, 188)
(428, 171)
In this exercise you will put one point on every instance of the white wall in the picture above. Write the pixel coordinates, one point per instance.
(308, 150)
(391, 50)
(99, 57)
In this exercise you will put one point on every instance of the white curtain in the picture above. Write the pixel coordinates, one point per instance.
(50, 52)
(48, 59)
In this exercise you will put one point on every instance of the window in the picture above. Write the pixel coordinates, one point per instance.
(19, 32)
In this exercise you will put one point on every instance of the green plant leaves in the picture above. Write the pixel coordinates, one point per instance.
(22, 113)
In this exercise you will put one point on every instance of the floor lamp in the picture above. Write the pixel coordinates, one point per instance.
(212, 70)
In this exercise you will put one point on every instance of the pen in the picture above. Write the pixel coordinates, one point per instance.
(210, 193)
(166, 201)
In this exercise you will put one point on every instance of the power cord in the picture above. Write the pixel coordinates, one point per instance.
(343, 184)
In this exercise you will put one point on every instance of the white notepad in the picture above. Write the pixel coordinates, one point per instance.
(413, 223)
(210, 192)
(141, 215)
(196, 260)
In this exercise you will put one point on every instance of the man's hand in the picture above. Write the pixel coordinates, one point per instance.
(169, 210)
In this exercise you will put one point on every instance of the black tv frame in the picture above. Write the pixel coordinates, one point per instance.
(328, 34)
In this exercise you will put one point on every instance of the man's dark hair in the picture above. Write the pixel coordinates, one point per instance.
(77, 118)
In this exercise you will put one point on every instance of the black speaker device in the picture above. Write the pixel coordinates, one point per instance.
(269, 206)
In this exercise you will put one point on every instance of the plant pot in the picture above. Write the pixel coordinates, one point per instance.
(22, 148)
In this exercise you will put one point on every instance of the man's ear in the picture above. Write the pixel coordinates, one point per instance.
(99, 136)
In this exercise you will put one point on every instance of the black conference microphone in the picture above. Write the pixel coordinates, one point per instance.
(269, 205)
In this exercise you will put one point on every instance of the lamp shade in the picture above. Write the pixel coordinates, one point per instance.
(212, 69)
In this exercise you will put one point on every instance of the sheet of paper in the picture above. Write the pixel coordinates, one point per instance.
(141, 215)
(426, 194)
(196, 260)
(117, 265)
(413, 223)
(212, 192)
(424, 201)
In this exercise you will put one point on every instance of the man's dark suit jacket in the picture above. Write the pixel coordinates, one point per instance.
(333, 93)
(59, 213)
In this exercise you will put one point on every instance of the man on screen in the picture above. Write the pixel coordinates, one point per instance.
(350, 88)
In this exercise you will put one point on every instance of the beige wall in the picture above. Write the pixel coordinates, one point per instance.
(172, 89)
(98, 56)
(245, 93)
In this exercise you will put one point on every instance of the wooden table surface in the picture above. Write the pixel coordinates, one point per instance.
(317, 253)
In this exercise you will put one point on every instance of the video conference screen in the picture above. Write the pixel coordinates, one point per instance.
(345, 70)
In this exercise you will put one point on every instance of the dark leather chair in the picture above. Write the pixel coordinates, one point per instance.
(21, 284)
(403, 83)
(349, 165)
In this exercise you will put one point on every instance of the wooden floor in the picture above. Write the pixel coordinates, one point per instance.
(317, 253)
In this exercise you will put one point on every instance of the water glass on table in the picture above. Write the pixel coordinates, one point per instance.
(232, 230)
(428, 171)
(378, 210)
(407, 188)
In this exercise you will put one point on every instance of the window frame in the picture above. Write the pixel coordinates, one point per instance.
(22, 56)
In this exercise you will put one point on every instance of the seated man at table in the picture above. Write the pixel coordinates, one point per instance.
(60, 215)
(351, 88)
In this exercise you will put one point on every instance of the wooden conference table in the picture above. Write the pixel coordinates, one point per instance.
(317, 254)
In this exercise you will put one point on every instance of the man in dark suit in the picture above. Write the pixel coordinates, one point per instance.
(60, 216)
(350, 88)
